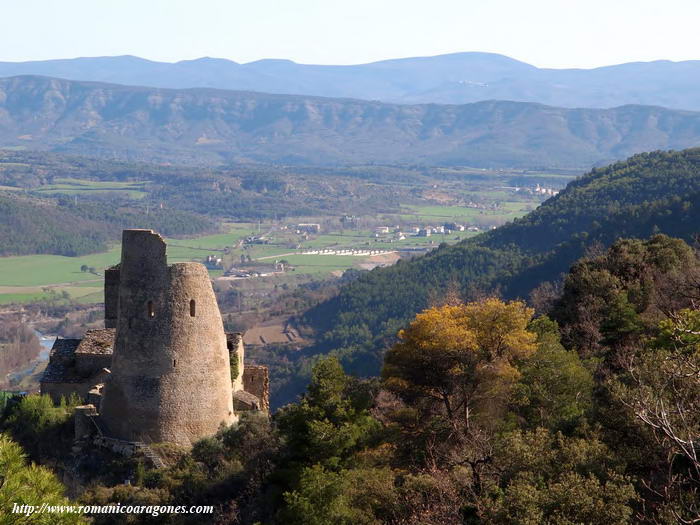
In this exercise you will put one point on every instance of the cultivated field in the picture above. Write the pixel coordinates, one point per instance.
(68, 186)
(33, 278)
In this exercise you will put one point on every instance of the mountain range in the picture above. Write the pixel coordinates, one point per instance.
(457, 78)
(209, 126)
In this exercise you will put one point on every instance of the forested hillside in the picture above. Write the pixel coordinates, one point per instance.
(71, 205)
(62, 226)
(647, 194)
(212, 127)
(485, 413)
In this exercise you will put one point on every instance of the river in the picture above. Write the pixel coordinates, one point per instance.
(46, 342)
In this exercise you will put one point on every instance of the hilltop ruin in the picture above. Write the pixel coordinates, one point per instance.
(162, 369)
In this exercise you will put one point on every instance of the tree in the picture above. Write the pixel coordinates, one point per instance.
(461, 359)
(547, 478)
(454, 370)
(330, 422)
(23, 484)
(42, 428)
(609, 302)
(322, 432)
(555, 389)
(661, 387)
(361, 496)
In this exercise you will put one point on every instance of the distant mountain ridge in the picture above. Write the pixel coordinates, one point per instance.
(457, 78)
(208, 126)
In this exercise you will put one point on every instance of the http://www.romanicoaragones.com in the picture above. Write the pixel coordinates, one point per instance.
(118, 508)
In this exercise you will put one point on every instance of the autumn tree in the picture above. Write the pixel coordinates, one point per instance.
(454, 369)
(460, 360)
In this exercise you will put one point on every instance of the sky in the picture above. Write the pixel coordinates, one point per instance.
(546, 33)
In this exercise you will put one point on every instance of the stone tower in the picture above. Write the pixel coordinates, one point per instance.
(171, 378)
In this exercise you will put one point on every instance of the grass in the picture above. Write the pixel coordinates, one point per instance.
(18, 298)
(36, 272)
(68, 186)
(322, 264)
(28, 276)
(42, 270)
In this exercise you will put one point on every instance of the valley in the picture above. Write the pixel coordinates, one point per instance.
(267, 262)
(354, 271)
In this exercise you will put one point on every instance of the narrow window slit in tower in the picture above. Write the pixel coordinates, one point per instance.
(192, 308)
(151, 311)
(174, 363)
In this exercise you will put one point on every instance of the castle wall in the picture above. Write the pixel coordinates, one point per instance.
(234, 343)
(257, 382)
(111, 296)
(87, 364)
(170, 368)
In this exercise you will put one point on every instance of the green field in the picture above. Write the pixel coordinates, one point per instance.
(68, 186)
(42, 277)
(80, 293)
(42, 270)
(322, 264)
(10, 298)
(506, 211)
(25, 278)
(199, 247)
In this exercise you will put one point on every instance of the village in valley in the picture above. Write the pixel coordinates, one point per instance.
(263, 271)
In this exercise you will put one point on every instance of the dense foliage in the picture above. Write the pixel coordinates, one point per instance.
(649, 193)
(65, 227)
(484, 413)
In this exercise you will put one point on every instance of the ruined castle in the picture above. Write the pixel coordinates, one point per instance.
(163, 369)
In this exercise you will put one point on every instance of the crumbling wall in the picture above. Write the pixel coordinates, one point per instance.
(170, 368)
(236, 352)
(257, 382)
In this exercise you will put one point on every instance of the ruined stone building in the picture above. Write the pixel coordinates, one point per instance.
(163, 369)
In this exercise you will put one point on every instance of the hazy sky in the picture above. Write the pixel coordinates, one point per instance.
(547, 33)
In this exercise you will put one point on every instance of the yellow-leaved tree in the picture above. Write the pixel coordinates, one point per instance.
(458, 360)
(453, 370)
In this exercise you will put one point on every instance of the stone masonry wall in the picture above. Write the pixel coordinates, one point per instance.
(111, 296)
(170, 368)
(257, 382)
